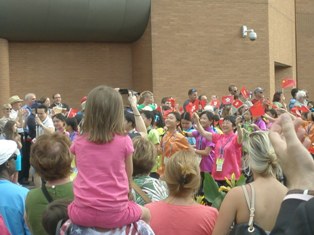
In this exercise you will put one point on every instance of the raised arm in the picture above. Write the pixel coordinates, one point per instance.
(295, 160)
(206, 134)
(298, 166)
(139, 122)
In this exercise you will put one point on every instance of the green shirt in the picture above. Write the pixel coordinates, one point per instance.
(153, 135)
(155, 189)
(141, 106)
(36, 203)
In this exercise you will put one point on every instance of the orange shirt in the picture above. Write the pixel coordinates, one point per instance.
(170, 144)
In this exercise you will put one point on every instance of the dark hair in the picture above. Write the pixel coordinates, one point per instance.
(59, 116)
(129, 116)
(216, 117)
(191, 91)
(55, 212)
(208, 114)
(158, 119)
(43, 99)
(72, 122)
(231, 118)
(164, 99)
(144, 156)
(177, 115)
(231, 86)
(149, 115)
(294, 91)
(165, 108)
(186, 116)
(8, 130)
(42, 106)
(276, 97)
(273, 112)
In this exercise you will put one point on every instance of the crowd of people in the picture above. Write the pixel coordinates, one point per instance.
(136, 168)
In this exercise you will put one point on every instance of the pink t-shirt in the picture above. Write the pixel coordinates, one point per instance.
(184, 220)
(232, 152)
(102, 182)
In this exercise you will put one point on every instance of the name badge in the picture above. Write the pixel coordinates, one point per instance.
(219, 164)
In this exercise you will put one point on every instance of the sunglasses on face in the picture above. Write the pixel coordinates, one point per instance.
(8, 109)
(13, 156)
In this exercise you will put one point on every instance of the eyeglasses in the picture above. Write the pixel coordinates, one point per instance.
(8, 109)
(13, 156)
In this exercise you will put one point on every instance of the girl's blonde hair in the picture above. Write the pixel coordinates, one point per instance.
(182, 174)
(262, 158)
(103, 116)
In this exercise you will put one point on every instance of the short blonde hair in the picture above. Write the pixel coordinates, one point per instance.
(144, 156)
(261, 157)
(103, 116)
(182, 174)
(146, 94)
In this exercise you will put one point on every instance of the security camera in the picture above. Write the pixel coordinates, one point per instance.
(245, 32)
(252, 35)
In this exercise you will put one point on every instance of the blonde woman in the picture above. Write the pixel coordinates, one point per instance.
(179, 213)
(269, 192)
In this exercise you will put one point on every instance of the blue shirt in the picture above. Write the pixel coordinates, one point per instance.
(12, 204)
(191, 140)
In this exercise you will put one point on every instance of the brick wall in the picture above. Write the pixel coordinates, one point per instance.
(197, 43)
(72, 69)
(305, 45)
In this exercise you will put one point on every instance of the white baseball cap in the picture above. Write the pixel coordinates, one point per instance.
(7, 149)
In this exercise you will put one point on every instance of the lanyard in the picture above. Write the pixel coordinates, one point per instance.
(222, 147)
(200, 143)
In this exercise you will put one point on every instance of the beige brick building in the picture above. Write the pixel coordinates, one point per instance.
(186, 43)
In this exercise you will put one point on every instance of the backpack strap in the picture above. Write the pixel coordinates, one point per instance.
(251, 206)
(45, 192)
(140, 192)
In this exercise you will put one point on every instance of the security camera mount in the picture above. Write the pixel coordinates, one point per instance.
(245, 30)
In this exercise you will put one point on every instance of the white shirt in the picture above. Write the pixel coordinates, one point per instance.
(47, 123)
